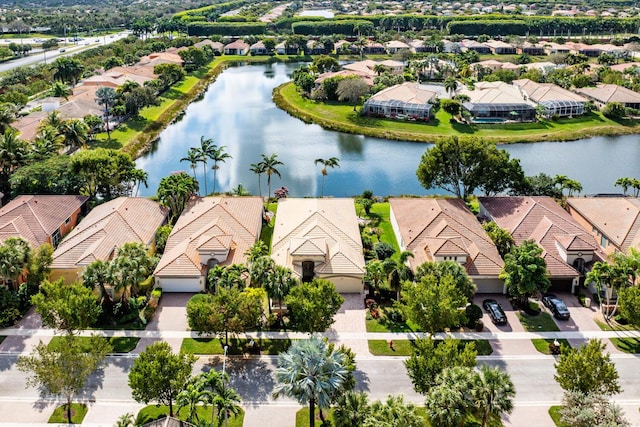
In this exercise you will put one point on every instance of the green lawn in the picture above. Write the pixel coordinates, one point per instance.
(403, 347)
(78, 412)
(554, 412)
(628, 345)
(266, 234)
(119, 344)
(381, 212)
(385, 324)
(343, 118)
(542, 345)
(237, 346)
(2, 337)
(540, 323)
(153, 412)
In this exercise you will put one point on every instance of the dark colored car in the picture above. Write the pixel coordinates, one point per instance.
(557, 306)
(494, 310)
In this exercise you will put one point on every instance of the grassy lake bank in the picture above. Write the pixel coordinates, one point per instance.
(343, 118)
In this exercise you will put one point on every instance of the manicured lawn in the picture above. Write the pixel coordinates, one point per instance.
(540, 323)
(403, 347)
(302, 417)
(542, 345)
(385, 324)
(153, 412)
(266, 234)
(78, 412)
(381, 212)
(628, 345)
(119, 344)
(237, 346)
(554, 412)
(343, 118)
(614, 326)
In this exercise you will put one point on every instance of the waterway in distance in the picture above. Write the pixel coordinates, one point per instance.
(237, 112)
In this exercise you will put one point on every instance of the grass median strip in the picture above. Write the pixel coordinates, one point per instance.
(154, 412)
(119, 344)
(541, 323)
(404, 347)
(237, 346)
(78, 412)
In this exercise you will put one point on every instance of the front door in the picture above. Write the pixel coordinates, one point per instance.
(307, 271)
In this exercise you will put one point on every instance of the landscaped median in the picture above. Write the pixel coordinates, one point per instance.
(341, 117)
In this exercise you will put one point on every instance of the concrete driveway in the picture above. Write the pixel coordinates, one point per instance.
(171, 315)
(505, 347)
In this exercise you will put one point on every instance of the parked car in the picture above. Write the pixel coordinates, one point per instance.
(557, 306)
(63, 50)
(492, 307)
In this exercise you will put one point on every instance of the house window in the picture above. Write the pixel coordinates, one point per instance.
(55, 238)
(67, 221)
(603, 241)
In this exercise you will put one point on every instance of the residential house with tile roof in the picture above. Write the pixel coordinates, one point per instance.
(211, 231)
(567, 247)
(320, 238)
(604, 93)
(445, 229)
(554, 100)
(407, 100)
(613, 221)
(496, 101)
(106, 228)
(238, 47)
(41, 219)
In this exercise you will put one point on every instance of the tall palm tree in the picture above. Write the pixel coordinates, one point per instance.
(398, 271)
(12, 151)
(258, 169)
(206, 150)
(7, 115)
(138, 177)
(279, 282)
(227, 401)
(326, 163)
(190, 397)
(193, 157)
(311, 374)
(492, 392)
(212, 381)
(217, 155)
(46, 143)
(449, 402)
(106, 96)
(97, 276)
(129, 268)
(270, 169)
(450, 85)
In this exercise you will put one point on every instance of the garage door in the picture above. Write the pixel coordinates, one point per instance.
(347, 285)
(560, 285)
(489, 286)
(179, 284)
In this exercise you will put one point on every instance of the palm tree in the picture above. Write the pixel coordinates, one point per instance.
(217, 155)
(190, 397)
(449, 402)
(97, 276)
(270, 164)
(398, 271)
(130, 266)
(12, 151)
(352, 409)
(375, 276)
(326, 163)
(7, 115)
(206, 150)
(240, 190)
(625, 183)
(46, 143)
(137, 177)
(76, 133)
(310, 373)
(59, 90)
(227, 402)
(214, 381)
(279, 282)
(193, 157)
(493, 393)
(258, 169)
(126, 420)
(451, 85)
(106, 96)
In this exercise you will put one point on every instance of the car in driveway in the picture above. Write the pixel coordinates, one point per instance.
(557, 306)
(492, 307)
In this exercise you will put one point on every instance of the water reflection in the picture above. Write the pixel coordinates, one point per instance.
(237, 112)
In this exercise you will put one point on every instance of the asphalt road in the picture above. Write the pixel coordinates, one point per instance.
(253, 379)
(70, 49)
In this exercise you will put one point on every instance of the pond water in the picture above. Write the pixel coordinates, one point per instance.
(237, 112)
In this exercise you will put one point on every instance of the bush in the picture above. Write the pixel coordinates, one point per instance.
(157, 293)
(383, 250)
(473, 313)
(395, 315)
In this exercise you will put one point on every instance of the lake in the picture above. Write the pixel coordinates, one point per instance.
(237, 112)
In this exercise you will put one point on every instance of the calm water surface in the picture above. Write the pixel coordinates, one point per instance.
(238, 113)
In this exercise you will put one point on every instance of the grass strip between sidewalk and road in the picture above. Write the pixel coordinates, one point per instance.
(404, 347)
(628, 345)
(119, 344)
(78, 412)
(237, 346)
(554, 413)
(542, 344)
(154, 412)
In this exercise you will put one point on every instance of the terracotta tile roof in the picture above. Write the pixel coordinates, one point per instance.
(543, 220)
(610, 93)
(35, 218)
(322, 227)
(28, 125)
(444, 227)
(539, 92)
(213, 224)
(107, 227)
(412, 93)
(618, 218)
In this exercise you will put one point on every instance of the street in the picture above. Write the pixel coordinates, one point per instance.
(109, 392)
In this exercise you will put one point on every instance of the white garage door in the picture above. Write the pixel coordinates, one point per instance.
(489, 286)
(179, 284)
(347, 285)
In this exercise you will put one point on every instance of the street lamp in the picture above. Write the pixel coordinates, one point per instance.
(224, 364)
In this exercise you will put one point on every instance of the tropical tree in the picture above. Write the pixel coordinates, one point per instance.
(205, 150)
(217, 155)
(331, 162)
(449, 402)
(398, 271)
(63, 370)
(258, 169)
(106, 96)
(451, 85)
(375, 276)
(59, 89)
(46, 143)
(129, 268)
(311, 374)
(191, 396)
(97, 276)
(313, 305)
(76, 133)
(193, 157)
(126, 420)
(393, 412)
(174, 191)
(13, 151)
(492, 392)
(159, 375)
(455, 270)
(270, 164)
(601, 378)
(351, 409)
(608, 278)
(7, 115)
(280, 280)
(15, 254)
(227, 402)
(351, 90)
(67, 69)
(589, 410)
(525, 271)
(500, 237)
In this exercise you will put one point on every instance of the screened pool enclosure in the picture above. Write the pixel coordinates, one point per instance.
(519, 112)
(562, 108)
(397, 109)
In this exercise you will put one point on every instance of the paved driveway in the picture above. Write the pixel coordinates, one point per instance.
(171, 315)
(505, 347)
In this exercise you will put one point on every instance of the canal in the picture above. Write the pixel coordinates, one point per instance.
(237, 112)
